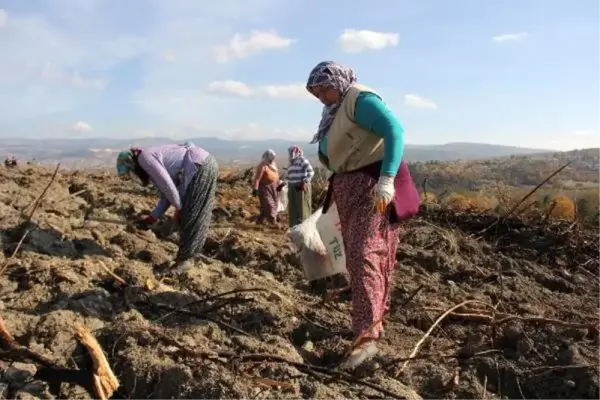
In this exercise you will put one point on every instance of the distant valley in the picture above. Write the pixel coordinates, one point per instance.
(101, 152)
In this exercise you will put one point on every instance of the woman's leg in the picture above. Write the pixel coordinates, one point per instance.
(370, 242)
(274, 201)
(196, 212)
(262, 205)
(294, 204)
(306, 202)
(267, 195)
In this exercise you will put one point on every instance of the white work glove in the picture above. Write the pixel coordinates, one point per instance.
(384, 193)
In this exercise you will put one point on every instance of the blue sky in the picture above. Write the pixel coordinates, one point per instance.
(514, 72)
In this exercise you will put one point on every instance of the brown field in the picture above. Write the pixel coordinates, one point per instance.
(245, 324)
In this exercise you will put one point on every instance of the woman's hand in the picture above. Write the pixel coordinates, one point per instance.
(384, 193)
(145, 222)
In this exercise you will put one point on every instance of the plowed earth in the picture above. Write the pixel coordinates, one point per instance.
(272, 335)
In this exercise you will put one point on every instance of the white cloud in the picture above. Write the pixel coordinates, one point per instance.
(230, 87)
(104, 150)
(256, 131)
(562, 141)
(510, 37)
(3, 18)
(51, 73)
(356, 41)
(256, 42)
(82, 127)
(566, 143)
(57, 58)
(583, 133)
(290, 91)
(169, 56)
(293, 91)
(415, 101)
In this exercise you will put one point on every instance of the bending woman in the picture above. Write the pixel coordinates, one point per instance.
(362, 142)
(186, 177)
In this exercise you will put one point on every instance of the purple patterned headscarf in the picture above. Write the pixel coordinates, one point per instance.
(333, 75)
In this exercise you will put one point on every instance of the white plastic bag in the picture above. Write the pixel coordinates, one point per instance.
(282, 199)
(319, 241)
(330, 231)
(306, 235)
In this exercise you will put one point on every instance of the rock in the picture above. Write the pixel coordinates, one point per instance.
(274, 296)
(35, 390)
(65, 275)
(3, 390)
(148, 235)
(576, 334)
(309, 346)
(96, 234)
(570, 383)
(570, 355)
(18, 373)
(523, 347)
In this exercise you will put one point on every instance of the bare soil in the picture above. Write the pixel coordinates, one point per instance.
(245, 324)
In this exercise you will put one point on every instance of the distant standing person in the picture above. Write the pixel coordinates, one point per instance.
(300, 174)
(361, 140)
(266, 185)
(186, 176)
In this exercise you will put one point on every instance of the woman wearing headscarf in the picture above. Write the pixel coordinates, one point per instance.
(300, 174)
(266, 185)
(362, 143)
(186, 177)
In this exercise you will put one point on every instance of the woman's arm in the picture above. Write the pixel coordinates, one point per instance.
(160, 177)
(309, 171)
(162, 206)
(373, 114)
(258, 174)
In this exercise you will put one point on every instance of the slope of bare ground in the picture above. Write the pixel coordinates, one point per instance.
(245, 324)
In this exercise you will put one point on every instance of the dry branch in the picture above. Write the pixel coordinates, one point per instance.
(14, 253)
(435, 324)
(16, 352)
(502, 318)
(514, 208)
(41, 196)
(202, 313)
(23, 230)
(101, 382)
(461, 355)
(5, 336)
(112, 274)
(105, 381)
(313, 370)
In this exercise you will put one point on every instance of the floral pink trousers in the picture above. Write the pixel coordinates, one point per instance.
(370, 241)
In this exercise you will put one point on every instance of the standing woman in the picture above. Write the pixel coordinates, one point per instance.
(362, 142)
(186, 177)
(266, 185)
(300, 174)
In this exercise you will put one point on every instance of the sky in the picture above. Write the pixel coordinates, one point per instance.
(511, 72)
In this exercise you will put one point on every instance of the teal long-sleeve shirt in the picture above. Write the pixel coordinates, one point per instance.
(372, 114)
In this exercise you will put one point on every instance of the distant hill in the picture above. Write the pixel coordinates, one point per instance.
(515, 171)
(98, 152)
